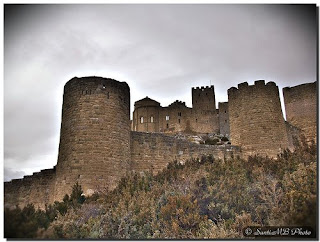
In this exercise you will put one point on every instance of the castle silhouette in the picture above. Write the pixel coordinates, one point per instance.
(99, 144)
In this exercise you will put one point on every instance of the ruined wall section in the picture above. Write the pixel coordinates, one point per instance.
(94, 145)
(301, 108)
(224, 119)
(256, 120)
(37, 189)
(153, 151)
(175, 118)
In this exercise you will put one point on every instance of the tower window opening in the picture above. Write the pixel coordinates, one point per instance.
(104, 86)
(151, 119)
(141, 120)
(179, 120)
(167, 126)
(179, 114)
(167, 118)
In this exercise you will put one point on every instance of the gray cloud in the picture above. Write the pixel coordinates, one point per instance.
(10, 174)
(160, 50)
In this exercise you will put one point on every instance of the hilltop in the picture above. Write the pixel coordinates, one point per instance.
(203, 198)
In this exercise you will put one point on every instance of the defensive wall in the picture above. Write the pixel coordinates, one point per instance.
(37, 188)
(153, 151)
(97, 147)
(300, 103)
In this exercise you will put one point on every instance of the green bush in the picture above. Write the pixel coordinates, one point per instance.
(202, 198)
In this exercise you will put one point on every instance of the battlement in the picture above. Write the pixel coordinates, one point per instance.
(97, 147)
(258, 85)
(203, 88)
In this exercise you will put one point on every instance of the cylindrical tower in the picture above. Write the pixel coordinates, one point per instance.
(256, 120)
(94, 145)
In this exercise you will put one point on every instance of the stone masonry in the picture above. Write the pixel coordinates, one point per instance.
(301, 103)
(149, 116)
(97, 147)
(256, 120)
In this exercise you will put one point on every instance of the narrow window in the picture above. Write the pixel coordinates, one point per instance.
(141, 120)
(179, 120)
(225, 111)
(104, 86)
(151, 119)
(167, 126)
(179, 114)
(167, 117)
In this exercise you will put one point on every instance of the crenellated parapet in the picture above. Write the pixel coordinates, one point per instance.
(97, 147)
(37, 188)
(259, 86)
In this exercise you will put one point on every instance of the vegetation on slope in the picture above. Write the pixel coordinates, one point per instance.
(204, 198)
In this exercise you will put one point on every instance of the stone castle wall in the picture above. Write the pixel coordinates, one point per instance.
(37, 189)
(97, 147)
(153, 151)
(95, 135)
(256, 120)
(301, 103)
(149, 116)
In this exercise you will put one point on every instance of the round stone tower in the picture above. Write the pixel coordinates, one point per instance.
(94, 145)
(256, 120)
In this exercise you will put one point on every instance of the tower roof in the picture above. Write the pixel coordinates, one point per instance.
(146, 102)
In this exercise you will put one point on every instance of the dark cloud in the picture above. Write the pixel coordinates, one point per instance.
(160, 50)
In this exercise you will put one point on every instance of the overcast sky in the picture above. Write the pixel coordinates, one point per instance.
(161, 51)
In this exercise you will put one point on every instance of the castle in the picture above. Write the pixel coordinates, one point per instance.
(97, 146)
